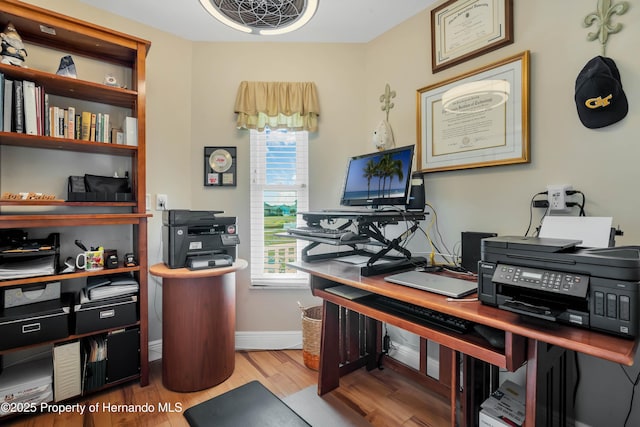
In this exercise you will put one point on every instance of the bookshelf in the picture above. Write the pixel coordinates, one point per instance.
(52, 35)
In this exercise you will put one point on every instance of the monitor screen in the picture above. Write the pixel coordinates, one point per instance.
(378, 179)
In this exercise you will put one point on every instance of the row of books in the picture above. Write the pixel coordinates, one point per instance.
(24, 108)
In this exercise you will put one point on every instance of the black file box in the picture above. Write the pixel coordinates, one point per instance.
(33, 324)
(123, 354)
(106, 314)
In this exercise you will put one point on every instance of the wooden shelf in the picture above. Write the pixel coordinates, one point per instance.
(62, 203)
(77, 145)
(73, 88)
(66, 276)
(59, 220)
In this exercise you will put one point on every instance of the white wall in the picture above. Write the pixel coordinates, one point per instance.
(191, 90)
(601, 163)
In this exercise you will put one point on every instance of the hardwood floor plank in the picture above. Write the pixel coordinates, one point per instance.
(381, 397)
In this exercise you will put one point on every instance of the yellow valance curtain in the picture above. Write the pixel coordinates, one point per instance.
(278, 105)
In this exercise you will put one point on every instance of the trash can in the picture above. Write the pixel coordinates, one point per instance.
(311, 333)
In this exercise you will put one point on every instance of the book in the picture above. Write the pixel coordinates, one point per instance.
(92, 127)
(86, 125)
(71, 122)
(18, 107)
(130, 129)
(1, 100)
(78, 125)
(105, 128)
(8, 106)
(29, 106)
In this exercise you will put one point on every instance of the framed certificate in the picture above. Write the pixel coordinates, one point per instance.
(477, 119)
(220, 166)
(465, 29)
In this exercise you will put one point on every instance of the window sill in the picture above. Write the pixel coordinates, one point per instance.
(262, 284)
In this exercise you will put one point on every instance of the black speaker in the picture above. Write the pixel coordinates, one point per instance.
(416, 195)
(472, 249)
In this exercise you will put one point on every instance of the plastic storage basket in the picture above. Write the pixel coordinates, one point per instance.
(311, 330)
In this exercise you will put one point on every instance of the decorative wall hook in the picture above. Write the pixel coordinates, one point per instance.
(385, 98)
(602, 19)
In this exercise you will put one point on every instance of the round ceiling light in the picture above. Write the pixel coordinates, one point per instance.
(265, 17)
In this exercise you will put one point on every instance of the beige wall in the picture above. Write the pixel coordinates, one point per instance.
(192, 86)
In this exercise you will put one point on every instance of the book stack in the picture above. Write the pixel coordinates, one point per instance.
(26, 383)
(24, 108)
(505, 406)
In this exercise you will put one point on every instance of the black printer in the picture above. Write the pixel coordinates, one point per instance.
(556, 280)
(198, 239)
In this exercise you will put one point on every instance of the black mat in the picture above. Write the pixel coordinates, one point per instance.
(250, 405)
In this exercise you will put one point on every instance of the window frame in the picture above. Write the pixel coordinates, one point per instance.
(258, 185)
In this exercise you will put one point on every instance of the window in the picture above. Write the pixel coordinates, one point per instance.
(279, 171)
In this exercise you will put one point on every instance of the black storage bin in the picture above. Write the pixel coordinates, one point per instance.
(123, 354)
(106, 314)
(33, 324)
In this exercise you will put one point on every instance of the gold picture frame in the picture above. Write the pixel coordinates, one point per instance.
(478, 119)
(465, 29)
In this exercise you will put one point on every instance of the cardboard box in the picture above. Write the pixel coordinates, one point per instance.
(505, 406)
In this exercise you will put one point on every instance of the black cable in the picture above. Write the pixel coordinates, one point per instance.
(634, 383)
(531, 210)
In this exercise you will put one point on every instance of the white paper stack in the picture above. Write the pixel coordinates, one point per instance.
(27, 382)
(66, 371)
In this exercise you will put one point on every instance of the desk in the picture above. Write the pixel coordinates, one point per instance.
(545, 347)
(198, 325)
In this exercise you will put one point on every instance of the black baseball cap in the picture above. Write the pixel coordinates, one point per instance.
(599, 97)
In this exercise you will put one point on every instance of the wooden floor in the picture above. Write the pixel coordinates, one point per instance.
(382, 397)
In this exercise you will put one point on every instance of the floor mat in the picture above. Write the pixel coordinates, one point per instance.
(250, 405)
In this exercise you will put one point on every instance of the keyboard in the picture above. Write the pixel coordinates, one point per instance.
(421, 314)
(327, 233)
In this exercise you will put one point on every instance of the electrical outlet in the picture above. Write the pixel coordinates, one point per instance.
(161, 202)
(557, 197)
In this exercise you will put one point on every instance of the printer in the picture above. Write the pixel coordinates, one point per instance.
(559, 281)
(198, 239)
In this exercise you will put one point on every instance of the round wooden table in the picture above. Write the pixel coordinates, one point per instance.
(198, 325)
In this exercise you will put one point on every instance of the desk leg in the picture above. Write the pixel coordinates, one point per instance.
(329, 370)
(551, 378)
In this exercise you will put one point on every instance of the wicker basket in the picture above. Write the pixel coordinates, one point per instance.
(311, 330)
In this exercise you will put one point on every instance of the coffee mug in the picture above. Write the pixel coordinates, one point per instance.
(90, 260)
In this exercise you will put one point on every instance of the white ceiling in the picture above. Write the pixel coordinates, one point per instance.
(336, 21)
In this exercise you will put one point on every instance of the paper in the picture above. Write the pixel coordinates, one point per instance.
(594, 231)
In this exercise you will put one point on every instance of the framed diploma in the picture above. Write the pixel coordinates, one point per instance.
(465, 29)
(219, 166)
(477, 119)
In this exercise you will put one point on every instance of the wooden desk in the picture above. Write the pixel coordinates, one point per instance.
(198, 325)
(545, 347)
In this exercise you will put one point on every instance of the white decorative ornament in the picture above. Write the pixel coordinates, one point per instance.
(383, 136)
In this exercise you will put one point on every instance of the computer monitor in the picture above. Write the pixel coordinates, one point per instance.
(378, 179)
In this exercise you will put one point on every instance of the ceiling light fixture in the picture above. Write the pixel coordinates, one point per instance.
(264, 17)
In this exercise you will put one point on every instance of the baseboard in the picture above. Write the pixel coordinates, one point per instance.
(247, 340)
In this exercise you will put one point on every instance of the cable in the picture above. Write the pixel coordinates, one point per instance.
(531, 210)
(634, 383)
